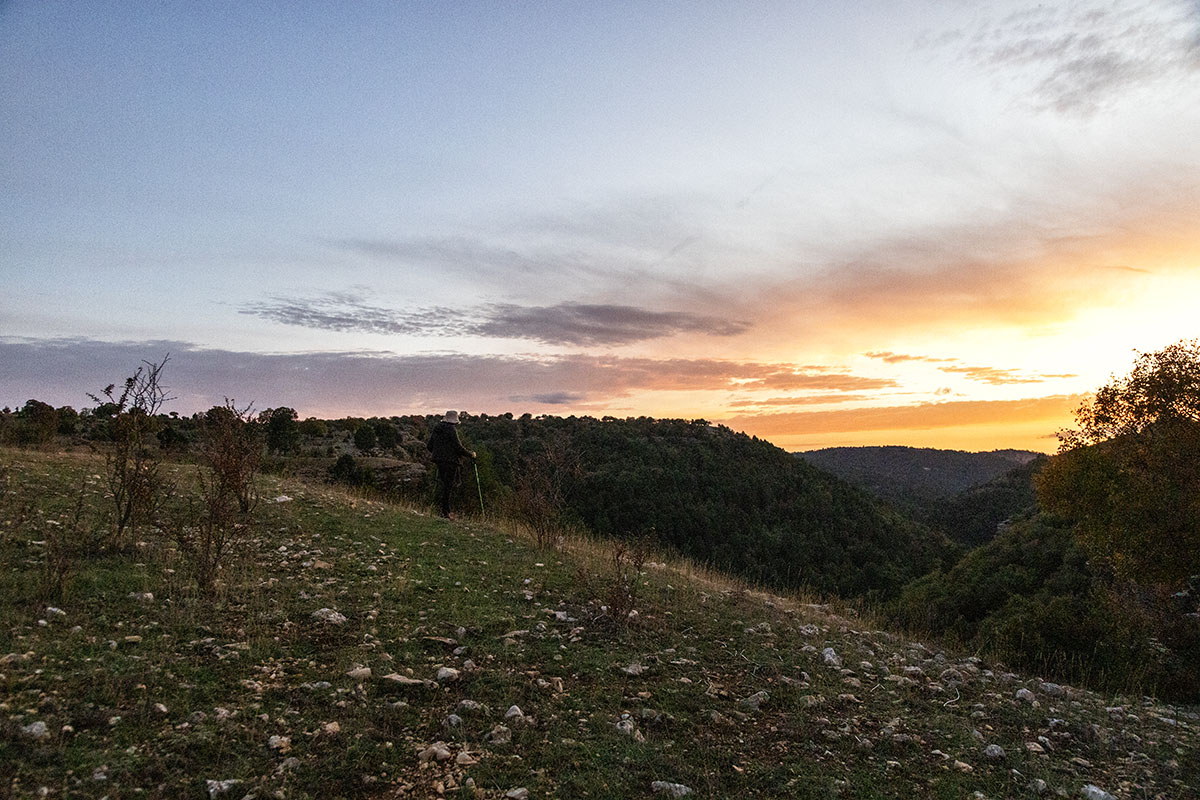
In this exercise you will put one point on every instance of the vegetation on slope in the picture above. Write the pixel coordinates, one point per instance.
(353, 649)
(728, 500)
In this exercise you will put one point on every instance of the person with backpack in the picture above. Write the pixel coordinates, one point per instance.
(447, 451)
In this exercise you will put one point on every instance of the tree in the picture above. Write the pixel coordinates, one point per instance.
(364, 437)
(283, 433)
(1130, 475)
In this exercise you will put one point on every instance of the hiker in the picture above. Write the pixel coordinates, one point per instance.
(447, 452)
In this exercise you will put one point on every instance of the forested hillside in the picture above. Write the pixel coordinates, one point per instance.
(727, 499)
(915, 474)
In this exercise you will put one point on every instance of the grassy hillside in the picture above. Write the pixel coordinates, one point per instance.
(355, 649)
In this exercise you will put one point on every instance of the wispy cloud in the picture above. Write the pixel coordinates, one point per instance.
(889, 357)
(1075, 60)
(1002, 377)
(577, 324)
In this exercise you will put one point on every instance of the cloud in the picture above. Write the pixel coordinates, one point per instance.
(1003, 377)
(578, 324)
(586, 324)
(1075, 60)
(889, 357)
(806, 400)
(922, 416)
(63, 371)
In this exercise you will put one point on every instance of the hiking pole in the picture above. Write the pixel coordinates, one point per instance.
(479, 487)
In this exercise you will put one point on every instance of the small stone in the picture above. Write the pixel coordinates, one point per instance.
(281, 744)
(360, 673)
(330, 616)
(754, 701)
(435, 752)
(1026, 695)
(514, 712)
(994, 752)
(1093, 792)
(962, 766)
(831, 657)
(670, 789)
(633, 669)
(447, 674)
(331, 728)
(465, 759)
(37, 730)
(452, 721)
(1052, 689)
(520, 793)
(500, 735)
(221, 787)
(1038, 786)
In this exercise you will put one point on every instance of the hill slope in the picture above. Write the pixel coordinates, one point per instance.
(361, 650)
(724, 498)
(906, 473)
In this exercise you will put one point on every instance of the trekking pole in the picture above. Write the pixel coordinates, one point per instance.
(479, 487)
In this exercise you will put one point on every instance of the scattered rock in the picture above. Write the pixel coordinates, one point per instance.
(500, 735)
(633, 669)
(514, 712)
(435, 752)
(360, 673)
(994, 752)
(280, 744)
(831, 657)
(330, 616)
(447, 674)
(520, 793)
(1093, 792)
(36, 730)
(221, 787)
(670, 789)
(1026, 695)
(754, 701)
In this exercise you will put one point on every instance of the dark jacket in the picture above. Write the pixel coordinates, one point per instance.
(444, 443)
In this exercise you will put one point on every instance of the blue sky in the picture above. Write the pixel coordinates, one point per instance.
(914, 222)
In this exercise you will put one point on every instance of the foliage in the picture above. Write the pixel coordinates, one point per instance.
(132, 467)
(364, 437)
(348, 471)
(283, 432)
(1030, 598)
(1130, 475)
(977, 514)
(731, 501)
(232, 454)
(914, 477)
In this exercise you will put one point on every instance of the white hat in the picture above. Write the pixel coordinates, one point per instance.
(451, 417)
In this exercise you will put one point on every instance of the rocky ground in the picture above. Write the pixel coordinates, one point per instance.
(360, 650)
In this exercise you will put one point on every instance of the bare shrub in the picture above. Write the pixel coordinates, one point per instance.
(205, 529)
(540, 490)
(232, 452)
(628, 561)
(133, 471)
(211, 524)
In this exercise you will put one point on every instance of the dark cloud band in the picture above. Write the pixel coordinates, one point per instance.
(575, 324)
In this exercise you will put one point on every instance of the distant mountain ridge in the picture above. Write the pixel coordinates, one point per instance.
(915, 474)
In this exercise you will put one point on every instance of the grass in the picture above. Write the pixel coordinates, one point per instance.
(155, 697)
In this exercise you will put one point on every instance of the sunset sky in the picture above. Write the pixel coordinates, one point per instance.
(922, 223)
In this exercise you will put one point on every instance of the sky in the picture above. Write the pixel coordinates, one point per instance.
(930, 223)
